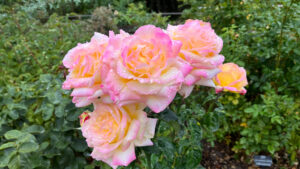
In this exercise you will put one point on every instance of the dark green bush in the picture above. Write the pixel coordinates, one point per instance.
(38, 121)
(263, 37)
(61, 7)
(136, 16)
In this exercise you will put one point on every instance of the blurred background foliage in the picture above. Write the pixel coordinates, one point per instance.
(39, 124)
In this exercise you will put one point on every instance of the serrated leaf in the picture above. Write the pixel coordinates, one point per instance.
(26, 137)
(44, 145)
(168, 115)
(35, 129)
(15, 162)
(79, 145)
(73, 116)
(28, 147)
(13, 134)
(166, 146)
(60, 110)
(54, 97)
(7, 145)
(13, 114)
(47, 111)
(5, 158)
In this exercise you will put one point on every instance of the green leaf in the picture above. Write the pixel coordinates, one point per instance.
(35, 129)
(54, 97)
(73, 116)
(7, 145)
(168, 115)
(44, 145)
(28, 147)
(13, 134)
(45, 78)
(257, 137)
(15, 163)
(5, 158)
(13, 114)
(276, 119)
(47, 111)
(166, 146)
(79, 145)
(271, 149)
(60, 110)
(26, 137)
(255, 114)
(249, 110)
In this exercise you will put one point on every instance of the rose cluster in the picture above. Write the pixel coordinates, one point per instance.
(121, 74)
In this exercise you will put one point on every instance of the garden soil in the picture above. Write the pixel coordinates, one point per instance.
(221, 156)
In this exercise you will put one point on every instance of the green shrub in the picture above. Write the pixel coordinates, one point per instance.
(136, 16)
(61, 7)
(38, 121)
(261, 36)
(269, 126)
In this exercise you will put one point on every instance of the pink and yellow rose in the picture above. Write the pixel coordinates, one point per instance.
(143, 68)
(232, 78)
(113, 132)
(200, 48)
(84, 62)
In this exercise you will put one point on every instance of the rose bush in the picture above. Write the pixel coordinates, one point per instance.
(130, 72)
(262, 37)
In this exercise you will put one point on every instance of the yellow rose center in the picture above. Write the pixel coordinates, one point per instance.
(107, 127)
(144, 59)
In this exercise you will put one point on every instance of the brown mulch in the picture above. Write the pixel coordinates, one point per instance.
(221, 156)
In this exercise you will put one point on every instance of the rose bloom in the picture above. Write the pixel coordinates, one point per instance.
(113, 132)
(232, 78)
(143, 67)
(83, 63)
(200, 48)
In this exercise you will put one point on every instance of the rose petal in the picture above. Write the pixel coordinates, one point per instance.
(159, 103)
(124, 157)
(206, 82)
(150, 127)
(143, 142)
(133, 130)
(186, 90)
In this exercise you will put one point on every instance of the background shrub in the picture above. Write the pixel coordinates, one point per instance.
(136, 16)
(36, 129)
(263, 37)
